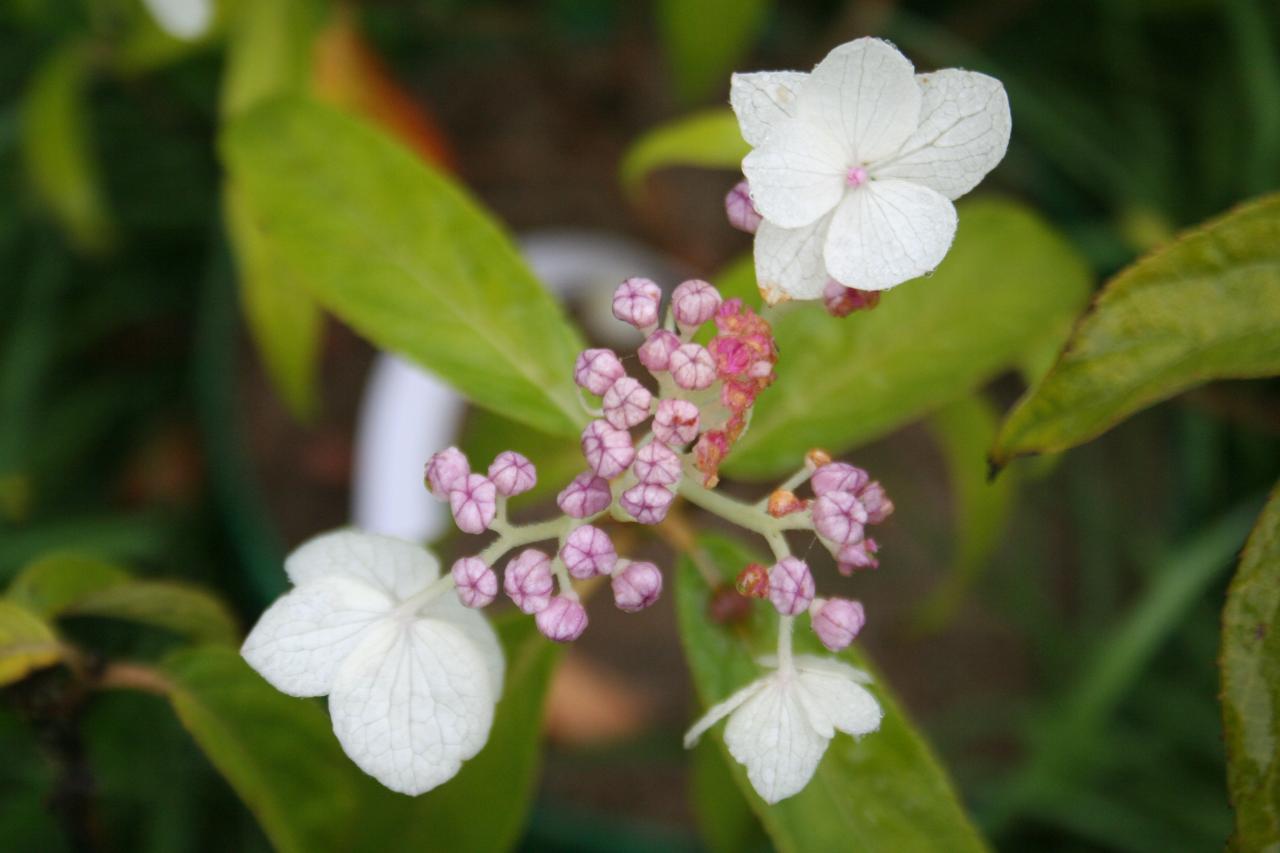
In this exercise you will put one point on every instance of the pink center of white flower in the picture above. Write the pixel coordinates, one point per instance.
(855, 177)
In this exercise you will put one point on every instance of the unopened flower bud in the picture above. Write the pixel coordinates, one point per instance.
(676, 422)
(562, 620)
(878, 505)
(474, 501)
(783, 502)
(816, 458)
(527, 580)
(694, 302)
(857, 556)
(841, 301)
(791, 586)
(637, 586)
(753, 581)
(512, 473)
(692, 367)
(839, 477)
(586, 495)
(655, 352)
(607, 450)
(839, 517)
(445, 470)
(636, 302)
(588, 551)
(657, 465)
(836, 621)
(474, 581)
(646, 503)
(740, 209)
(597, 369)
(626, 403)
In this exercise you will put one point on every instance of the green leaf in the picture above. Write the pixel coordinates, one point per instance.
(706, 39)
(1205, 307)
(51, 584)
(708, 139)
(726, 823)
(1251, 685)
(885, 791)
(1008, 282)
(27, 643)
(269, 52)
(406, 257)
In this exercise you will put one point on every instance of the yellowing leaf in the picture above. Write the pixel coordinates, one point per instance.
(27, 643)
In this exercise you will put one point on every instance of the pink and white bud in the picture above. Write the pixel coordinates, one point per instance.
(657, 465)
(585, 496)
(676, 422)
(841, 301)
(836, 621)
(637, 586)
(878, 505)
(562, 620)
(527, 580)
(740, 209)
(512, 473)
(857, 556)
(607, 450)
(791, 586)
(692, 367)
(627, 403)
(636, 302)
(694, 302)
(647, 503)
(655, 352)
(445, 470)
(839, 517)
(588, 551)
(474, 501)
(839, 477)
(597, 369)
(475, 582)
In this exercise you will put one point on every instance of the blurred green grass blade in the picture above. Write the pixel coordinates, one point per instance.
(27, 643)
(1008, 282)
(1252, 25)
(708, 139)
(1204, 307)
(885, 791)
(1250, 667)
(705, 40)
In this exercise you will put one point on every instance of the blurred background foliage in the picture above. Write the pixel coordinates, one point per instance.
(1055, 634)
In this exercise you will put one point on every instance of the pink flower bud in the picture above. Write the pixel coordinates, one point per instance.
(655, 352)
(527, 580)
(694, 303)
(445, 470)
(839, 517)
(588, 552)
(676, 422)
(740, 209)
(597, 369)
(841, 301)
(790, 586)
(512, 473)
(608, 451)
(857, 555)
(878, 505)
(647, 504)
(692, 367)
(839, 477)
(626, 403)
(657, 465)
(637, 586)
(636, 302)
(476, 583)
(474, 501)
(585, 496)
(562, 620)
(836, 621)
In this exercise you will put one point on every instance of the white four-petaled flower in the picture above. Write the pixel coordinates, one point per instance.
(412, 678)
(780, 725)
(854, 166)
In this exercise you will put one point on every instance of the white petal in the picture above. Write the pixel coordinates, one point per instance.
(887, 232)
(184, 19)
(831, 666)
(835, 702)
(302, 639)
(789, 262)
(963, 133)
(763, 100)
(394, 566)
(866, 95)
(771, 734)
(797, 175)
(411, 703)
(720, 710)
(475, 628)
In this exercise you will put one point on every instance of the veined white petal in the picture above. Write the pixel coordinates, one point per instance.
(763, 100)
(832, 666)
(396, 567)
(963, 133)
(411, 703)
(477, 629)
(797, 175)
(771, 735)
(302, 639)
(720, 710)
(887, 232)
(835, 702)
(789, 262)
(184, 19)
(865, 94)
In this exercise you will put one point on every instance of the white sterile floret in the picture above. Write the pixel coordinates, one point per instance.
(854, 167)
(412, 675)
(780, 725)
